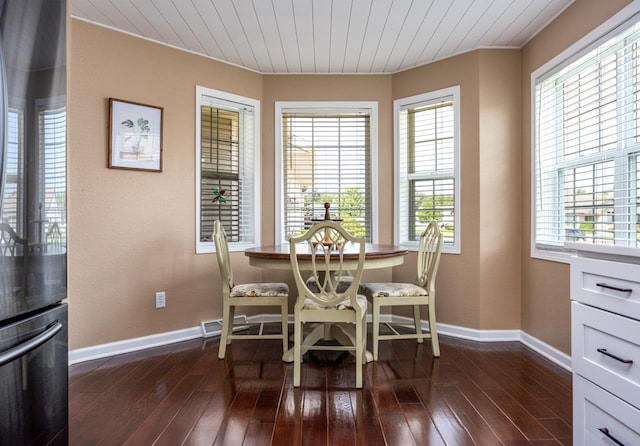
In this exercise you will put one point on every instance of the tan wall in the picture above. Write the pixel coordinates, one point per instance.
(546, 313)
(457, 300)
(500, 160)
(480, 287)
(133, 233)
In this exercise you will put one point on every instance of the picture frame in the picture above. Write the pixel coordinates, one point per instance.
(135, 136)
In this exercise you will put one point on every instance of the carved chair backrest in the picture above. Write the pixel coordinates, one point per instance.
(9, 240)
(325, 245)
(429, 252)
(54, 235)
(222, 253)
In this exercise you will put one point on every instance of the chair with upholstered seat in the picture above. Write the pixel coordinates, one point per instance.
(418, 294)
(10, 241)
(12, 262)
(246, 295)
(320, 302)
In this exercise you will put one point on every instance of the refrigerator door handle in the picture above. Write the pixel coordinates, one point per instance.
(33, 343)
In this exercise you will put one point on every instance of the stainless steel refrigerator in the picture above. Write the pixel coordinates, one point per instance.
(33, 224)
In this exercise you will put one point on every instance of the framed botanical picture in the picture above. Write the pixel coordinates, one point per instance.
(135, 136)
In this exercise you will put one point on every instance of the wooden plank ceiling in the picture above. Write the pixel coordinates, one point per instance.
(326, 36)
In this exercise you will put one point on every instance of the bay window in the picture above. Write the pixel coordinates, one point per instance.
(325, 154)
(227, 166)
(586, 141)
(427, 166)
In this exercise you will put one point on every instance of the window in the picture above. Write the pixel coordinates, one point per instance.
(13, 191)
(326, 153)
(427, 166)
(52, 126)
(227, 154)
(586, 144)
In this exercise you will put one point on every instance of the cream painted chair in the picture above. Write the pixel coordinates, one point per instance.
(246, 295)
(12, 265)
(10, 241)
(420, 293)
(343, 313)
(54, 235)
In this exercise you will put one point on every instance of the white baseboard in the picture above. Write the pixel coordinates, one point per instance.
(130, 345)
(549, 352)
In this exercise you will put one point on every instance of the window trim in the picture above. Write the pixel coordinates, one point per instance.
(398, 104)
(323, 106)
(209, 247)
(570, 54)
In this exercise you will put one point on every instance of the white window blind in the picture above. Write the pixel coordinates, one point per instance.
(53, 167)
(427, 158)
(12, 199)
(587, 146)
(326, 158)
(227, 160)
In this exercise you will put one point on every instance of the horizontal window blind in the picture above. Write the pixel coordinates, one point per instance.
(226, 169)
(14, 173)
(53, 167)
(427, 168)
(587, 143)
(326, 158)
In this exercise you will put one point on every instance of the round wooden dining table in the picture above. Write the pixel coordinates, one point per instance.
(277, 257)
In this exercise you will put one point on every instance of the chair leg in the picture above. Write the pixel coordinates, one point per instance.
(224, 332)
(285, 327)
(364, 339)
(376, 327)
(359, 353)
(417, 322)
(297, 352)
(435, 345)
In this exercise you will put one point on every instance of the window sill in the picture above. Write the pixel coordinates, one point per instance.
(605, 251)
(570, 249)
(559, 256)
(209, 248)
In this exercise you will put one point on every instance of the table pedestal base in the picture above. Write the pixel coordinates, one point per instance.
(343, 333)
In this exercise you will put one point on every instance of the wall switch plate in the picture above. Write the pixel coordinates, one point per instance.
(161, 301)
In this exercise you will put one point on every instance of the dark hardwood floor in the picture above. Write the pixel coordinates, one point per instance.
(474, 394)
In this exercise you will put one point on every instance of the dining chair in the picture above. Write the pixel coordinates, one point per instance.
(9, 240)
(54, 235)
(247, 295)
(323, 246)
(12, 262)
(418, 294)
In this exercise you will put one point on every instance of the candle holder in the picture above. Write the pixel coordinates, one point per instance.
(327, 216)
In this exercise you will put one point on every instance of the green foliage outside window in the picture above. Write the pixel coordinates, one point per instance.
(431, 207)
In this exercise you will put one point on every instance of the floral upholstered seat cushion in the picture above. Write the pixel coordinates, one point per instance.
(260, 290)
(384, 289)
(310, 304)
(341, 284)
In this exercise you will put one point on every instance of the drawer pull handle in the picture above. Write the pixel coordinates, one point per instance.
(605, 431)
(617, 358)
(614, 288)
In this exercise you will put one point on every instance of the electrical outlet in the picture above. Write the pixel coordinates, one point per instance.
(161, 301)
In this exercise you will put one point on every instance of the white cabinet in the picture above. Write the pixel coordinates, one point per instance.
(605, 345)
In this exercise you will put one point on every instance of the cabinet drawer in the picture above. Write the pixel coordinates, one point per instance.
(606, 350)
(597, 413)
(613, 286)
